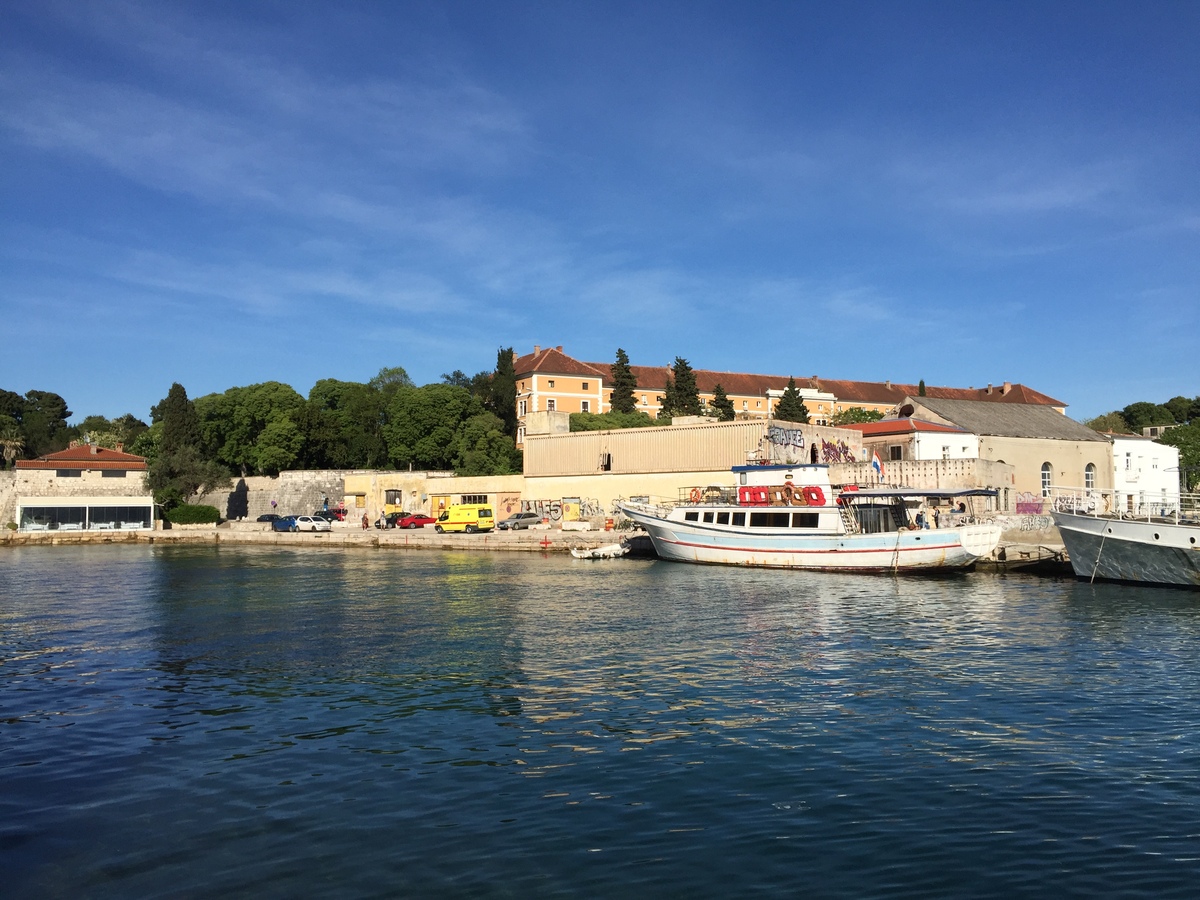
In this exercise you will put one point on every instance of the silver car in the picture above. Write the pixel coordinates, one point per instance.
(520, 520)
(312, 523)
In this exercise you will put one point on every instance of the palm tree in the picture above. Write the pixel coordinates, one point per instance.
(13, 443)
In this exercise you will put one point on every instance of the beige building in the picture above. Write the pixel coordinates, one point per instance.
(1044, 447)
(84, 487)
(550, 380)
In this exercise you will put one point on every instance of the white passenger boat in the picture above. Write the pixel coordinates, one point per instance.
(1118, 539)
(790, 516)
(608, 551)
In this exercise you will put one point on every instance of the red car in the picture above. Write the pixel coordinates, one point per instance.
(415, 520)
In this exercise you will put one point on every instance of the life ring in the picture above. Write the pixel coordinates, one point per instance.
(814, 495)
(789, 494)
(695, 495)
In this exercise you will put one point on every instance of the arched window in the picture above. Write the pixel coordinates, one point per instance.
(1047, 472)
(1089, 477)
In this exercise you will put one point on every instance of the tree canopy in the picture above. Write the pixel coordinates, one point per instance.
(722, 405)
(855, 415)
(610, 421)
(790, 407)
(624, 383)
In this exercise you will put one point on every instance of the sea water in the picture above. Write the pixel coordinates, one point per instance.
(212, 722)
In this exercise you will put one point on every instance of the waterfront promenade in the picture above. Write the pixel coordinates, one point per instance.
(343, 535)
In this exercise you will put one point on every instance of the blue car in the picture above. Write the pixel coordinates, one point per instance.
(284, 523)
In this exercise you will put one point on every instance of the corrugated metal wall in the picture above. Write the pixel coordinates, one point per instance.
(708, 447)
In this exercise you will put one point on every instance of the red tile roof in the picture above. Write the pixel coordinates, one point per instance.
(85, 456)
(899, 426)
(552, 360)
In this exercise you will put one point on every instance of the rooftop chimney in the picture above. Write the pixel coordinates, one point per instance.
(989, 390)
(537, 348)
(120, 446)
(559, 348)
(1007, 387)
(95, 448)
(888, 383)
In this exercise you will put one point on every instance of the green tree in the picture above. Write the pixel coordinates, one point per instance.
(232, 423)
(482, 447)
(610, 421)
(1140, 415)
(422, 424)
(44, 422)
(668, 402)
(503, 398)
(624, 383)
(790, 407)
(1182, 408)
(177, 470)
(722, 405)
(687, 395)
(855, 415)
(342, 426)
(1110, 422)
(12, 442)
(1187, 439)
(921, 388)
(390, 379)
(180, 424)
(277, 446)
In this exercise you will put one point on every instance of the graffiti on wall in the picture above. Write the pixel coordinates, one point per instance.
(786, 437)
(836, 451)
(1036, 523)
(1028, 504)
(565, 509)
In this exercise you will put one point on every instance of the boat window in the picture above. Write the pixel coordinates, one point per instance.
(804, 520)
(722, 518)
(691, 516)
(770, 519)
(708, 517)
(739, 519)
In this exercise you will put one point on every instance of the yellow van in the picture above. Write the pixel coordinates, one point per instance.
(468, 517)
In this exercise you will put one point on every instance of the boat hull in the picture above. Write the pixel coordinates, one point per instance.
(904, 551)
(1137, 551)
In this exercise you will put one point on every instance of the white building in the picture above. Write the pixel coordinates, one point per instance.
(1144, 472)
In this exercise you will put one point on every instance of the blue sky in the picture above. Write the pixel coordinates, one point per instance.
(223, 193)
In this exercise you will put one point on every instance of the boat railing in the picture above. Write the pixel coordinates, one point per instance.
(1129, 505)
(707, 495)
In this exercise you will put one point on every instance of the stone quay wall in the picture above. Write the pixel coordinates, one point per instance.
(297, 493)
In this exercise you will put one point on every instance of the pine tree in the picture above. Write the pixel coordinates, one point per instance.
(624, 383)
(921, 388)
(790, 407)
(667, 401)
(180, 424)
(687, 396)
(722, 405)
(504, 391)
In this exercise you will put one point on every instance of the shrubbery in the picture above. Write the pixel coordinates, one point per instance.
(193, 514)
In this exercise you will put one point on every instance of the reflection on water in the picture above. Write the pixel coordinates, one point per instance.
(202, 721)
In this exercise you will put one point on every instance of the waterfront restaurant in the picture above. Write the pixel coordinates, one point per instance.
(83, 488)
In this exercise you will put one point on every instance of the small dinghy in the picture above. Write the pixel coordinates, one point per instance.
(608, 551)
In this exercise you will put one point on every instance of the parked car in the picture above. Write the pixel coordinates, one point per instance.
(413, 520)
(267, 517)
(520, 520)
(333, 515)
(312, 523)
(283, 523)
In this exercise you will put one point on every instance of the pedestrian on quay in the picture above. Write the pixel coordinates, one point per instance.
(366, 522)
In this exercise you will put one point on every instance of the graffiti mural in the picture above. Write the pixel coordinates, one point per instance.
(836, 451)
(507, 504)
(565, 509)
(785, 437)
(1028, 504)
(1037, 523)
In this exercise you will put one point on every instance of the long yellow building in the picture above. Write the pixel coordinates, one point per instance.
(550, 380)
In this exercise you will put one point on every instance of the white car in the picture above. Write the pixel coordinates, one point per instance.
(312, 523)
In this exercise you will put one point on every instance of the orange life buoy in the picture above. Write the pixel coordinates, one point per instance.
(695, 495)
(789, 493)
(814, 495)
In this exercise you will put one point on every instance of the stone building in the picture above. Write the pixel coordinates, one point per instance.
(82, 487)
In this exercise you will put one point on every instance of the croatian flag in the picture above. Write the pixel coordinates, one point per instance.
(877, 464)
